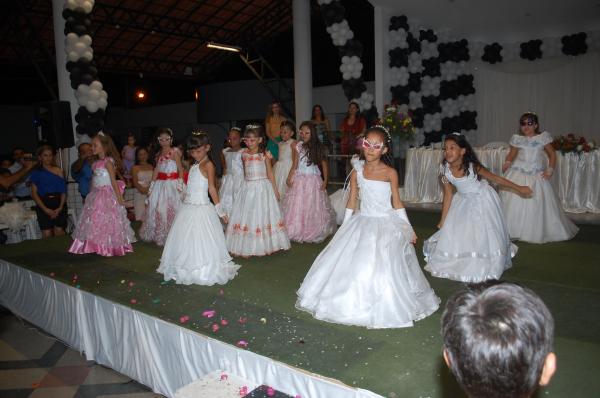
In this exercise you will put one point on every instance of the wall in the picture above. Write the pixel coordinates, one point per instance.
(17, 128)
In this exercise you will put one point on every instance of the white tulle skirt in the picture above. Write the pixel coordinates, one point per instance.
(539, 219)
(231, 184)
(163, 202)
(339, 200)
(281, 171)
(368, 275)
(473, 244)
(195, 250)
(256, 226)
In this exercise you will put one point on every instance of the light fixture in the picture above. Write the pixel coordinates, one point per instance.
(225, 47)
(140, 94)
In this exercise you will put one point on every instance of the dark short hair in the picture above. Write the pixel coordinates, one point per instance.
(497, 336)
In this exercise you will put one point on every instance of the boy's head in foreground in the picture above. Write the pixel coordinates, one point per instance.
(498, 340)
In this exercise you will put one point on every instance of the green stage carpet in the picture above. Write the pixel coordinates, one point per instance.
(398, 362)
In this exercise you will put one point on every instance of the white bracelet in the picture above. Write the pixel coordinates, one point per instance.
(220, 212)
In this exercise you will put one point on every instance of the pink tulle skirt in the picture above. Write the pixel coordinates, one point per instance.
(103, 227)
(307, 211)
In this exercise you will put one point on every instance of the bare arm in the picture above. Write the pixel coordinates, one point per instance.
(448, 193)
(270, 175)
(38, 201)
(325, 167)
(290, 178)
(113, 182)
(353, 191)
(268, 131)
(177, 157)
(136, 182)
(501, 181)
(509, 158)
(6, 182)
(223, 163)
(396, 201)
(209, 168)
(551, 152)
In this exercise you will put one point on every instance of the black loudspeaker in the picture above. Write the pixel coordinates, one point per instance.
(54, 124)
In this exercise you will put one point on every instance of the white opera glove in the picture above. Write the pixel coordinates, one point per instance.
(401, 213)
(149, 192)
(220, 212)
(347, 215)
(180, 185)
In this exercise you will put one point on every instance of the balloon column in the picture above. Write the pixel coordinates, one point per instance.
(91, 97)
(350, 51)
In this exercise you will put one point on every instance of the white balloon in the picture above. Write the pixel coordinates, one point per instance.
(102, 103)
(87, 6)
(91, 106)
(345, 59)
(80, 47)
(71, 39)
(356, 74)
(93, 95)
(88, 55)
(346, 75)
(96, 85)
(73, 56)
(86, 39)
(83, 89)
(103, 94)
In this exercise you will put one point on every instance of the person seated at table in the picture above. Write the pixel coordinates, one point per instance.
(49, 191)
(542, 219)
(81, 169)
(498, 340)
(7, 181)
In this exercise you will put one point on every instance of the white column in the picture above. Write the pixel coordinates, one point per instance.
(382, 86)
(65, 92)
(302, 60)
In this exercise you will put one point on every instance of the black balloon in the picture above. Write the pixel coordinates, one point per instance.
(417, 116)
(333, 12)
(414, 82)
(427, 35)
(531, 50)
(400, 94)
(414, 45)
(574, 44)
(398, 57)
(431, 67)
(491, 53)
(399, 22)
(351, 48)
(431, 104)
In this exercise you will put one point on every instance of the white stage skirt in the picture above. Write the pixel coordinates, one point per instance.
(575, 179)
(158, 354)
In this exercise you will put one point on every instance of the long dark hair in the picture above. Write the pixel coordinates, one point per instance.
(314, 150)
(469, 157)
(387, 157)
(323, 118)
(197, 140)
(259, 132)
(137, 151)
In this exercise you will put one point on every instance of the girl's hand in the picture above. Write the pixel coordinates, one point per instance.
(525, 191)
(505, 166)
(120, 200)
(440, 225)
(413, 240)
(323, 186)
(225, 219)
(547, 174)
(289, 182)
(49, 213)
(277, 195)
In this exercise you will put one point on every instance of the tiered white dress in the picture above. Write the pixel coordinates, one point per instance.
(473, 244)
(256, 226)
(232, 181)
(541, 218)
(163, 202)
(369, 275)
(282, 167)
(195, 250)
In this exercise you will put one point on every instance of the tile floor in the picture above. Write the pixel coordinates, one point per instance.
(35, 365)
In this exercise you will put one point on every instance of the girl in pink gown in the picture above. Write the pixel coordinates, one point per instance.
(307, 211)
(103, 227)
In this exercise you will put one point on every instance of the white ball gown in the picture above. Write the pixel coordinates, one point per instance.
(256, 226)
(232, 182)
(473, 244)
(195, 250)
(369, 275)
(282, 167)
(539, 219)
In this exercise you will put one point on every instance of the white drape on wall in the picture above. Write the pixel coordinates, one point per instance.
(564, 92)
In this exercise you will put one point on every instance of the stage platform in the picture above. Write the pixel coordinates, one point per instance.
(121, 313)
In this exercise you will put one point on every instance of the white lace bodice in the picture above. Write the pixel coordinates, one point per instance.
(466, 184)
(100, 176)
(166, 164)
(531, 158)
(196, 192)
(254, 166)
(375, 196)
(144, 177)
(303, 167)
(285, 151)
(233, 161)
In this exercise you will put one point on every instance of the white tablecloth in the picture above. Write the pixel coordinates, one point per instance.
(576, 179)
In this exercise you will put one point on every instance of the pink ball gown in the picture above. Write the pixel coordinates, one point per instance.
(103, 227)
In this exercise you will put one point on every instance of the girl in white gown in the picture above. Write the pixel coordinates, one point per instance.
(472, 244)
(282, 167)
(369, 275)
(164, 193)
(233, 170)
(195, 250)
(542, 219)
(142, 173)
(256, 226)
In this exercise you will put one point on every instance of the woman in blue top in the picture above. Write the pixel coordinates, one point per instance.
(49, 191)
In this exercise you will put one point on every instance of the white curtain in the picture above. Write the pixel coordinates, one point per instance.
(564, 92)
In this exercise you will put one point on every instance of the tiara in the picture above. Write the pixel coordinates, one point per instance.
(253, 126)
(198, 132)
(101, 133)
(385, 130)
(455, 133)
(236, 128)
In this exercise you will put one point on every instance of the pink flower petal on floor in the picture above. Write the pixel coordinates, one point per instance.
(270, 391)
(221, 292)
(242, 343)
(133, 301)
(131, 284)
(242, 320)
(223, 376)
(215, 327)
(224, 322)
(243, 391)
(184, 319)
(52, 274)
(209, 313)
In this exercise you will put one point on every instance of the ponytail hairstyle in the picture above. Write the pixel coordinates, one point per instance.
(313, 150)
(257, 131)
(289, 125)
(198, 139)
(469, 157)
(383, 131)
(110, 150)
